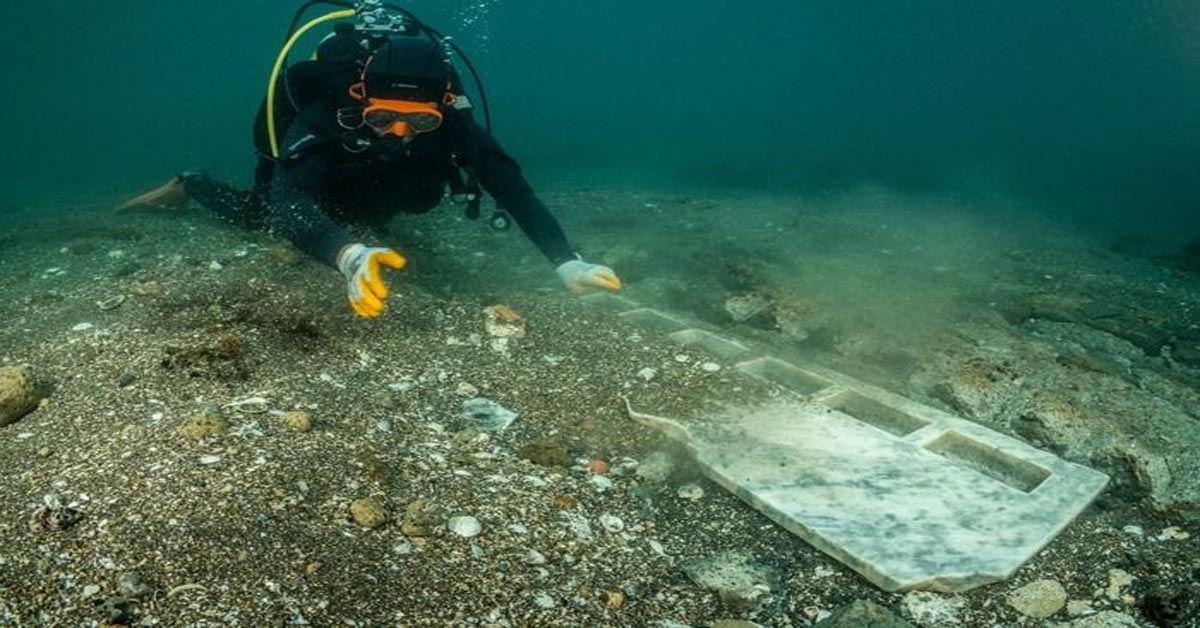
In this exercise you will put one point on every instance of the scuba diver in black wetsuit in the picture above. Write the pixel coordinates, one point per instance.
(377, 123)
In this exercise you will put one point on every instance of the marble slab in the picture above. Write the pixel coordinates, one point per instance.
(946, 507)
(907, 495)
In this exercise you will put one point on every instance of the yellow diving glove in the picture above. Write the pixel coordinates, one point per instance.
(578, 275)
(361, 266)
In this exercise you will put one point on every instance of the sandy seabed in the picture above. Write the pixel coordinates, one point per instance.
(135, 324)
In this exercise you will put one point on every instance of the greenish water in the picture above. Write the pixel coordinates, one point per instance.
(1081, 108)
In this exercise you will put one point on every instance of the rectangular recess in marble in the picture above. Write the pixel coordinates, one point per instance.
(653, 319)
(785, 374)
(872, 412)
(990, 461)
(710, 342)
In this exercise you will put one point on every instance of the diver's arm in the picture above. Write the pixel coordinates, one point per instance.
(293, 210)
(501, 177)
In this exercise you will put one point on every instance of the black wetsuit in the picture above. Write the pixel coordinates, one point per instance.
(329, 176)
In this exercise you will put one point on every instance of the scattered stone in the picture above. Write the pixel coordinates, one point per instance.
(741, 583)
(1105, 619)
(215, 265)
(82, 327)
(126, 380)
(690, 491)
(1039, 599)
(563, 502)
(465, 526)
(466, 390)
(863, 614)
(208, 422)
(1118, 579)
(1172, 533)
(421, 519)
(612, 523)
(1079, 608)
(647, 373)
(111, 303)
(710, 367)
(208, 459)
(614, 599)
(17, 393)
(602, 483)
(297, 420)
(534, 557)
(1134, 530)
(53, 515)
(487, 415)
(933, 609)
(368, 512)
(597, 466)
(744, 307)
(550, 451)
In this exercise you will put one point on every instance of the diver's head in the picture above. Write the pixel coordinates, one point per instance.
(404, 85)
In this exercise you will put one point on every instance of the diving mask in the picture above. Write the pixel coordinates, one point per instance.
(402, 118)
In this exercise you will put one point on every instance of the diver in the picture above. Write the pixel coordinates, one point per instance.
(376, 124)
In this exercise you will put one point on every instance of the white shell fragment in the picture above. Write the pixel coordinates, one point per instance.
(465, 526)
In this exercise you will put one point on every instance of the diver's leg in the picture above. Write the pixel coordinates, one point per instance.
(243, 208)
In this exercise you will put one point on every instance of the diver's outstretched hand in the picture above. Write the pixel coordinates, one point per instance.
(170, 195)
(578, 276)
(362, 267)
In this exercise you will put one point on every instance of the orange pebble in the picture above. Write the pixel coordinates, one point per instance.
(598, 466)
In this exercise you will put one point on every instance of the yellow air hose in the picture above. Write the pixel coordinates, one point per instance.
(283, 54)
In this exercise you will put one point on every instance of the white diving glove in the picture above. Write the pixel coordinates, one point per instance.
(361, 265)
(578, 276)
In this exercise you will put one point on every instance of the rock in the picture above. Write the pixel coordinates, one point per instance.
(744, 307)
(550, 451)
(690, 491)
(863, 614)
(614, 599)
(297, 420)
(17, 393)
(1039, 599)
(597, 466)
(53, 516)
(1105, 619)
(741, 583)
(208, 422)
(612, 523)
(933, 610)
(368, 512)
(486, 415)
(465, 526)
(534, 557)
(1079, 608)
(1118, 579)
(421, 519)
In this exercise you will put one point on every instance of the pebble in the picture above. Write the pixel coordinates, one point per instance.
(612, 523)
(297, 420)
(543, 600)
(466, 390)
(111, 303)
(465, 526)
(487, 415)
(655, 468)
(368, 512)
(933, 609)
(1079, 608)
(534, 557)
(597, 466)
(1172, 533)
(215, 265)
(710, 367)
(602, 483)
(1039, 599)
(647, 373)
(209, 459)
(690, 491)
(82, 327)
(1118, 579)
(1134, 530)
